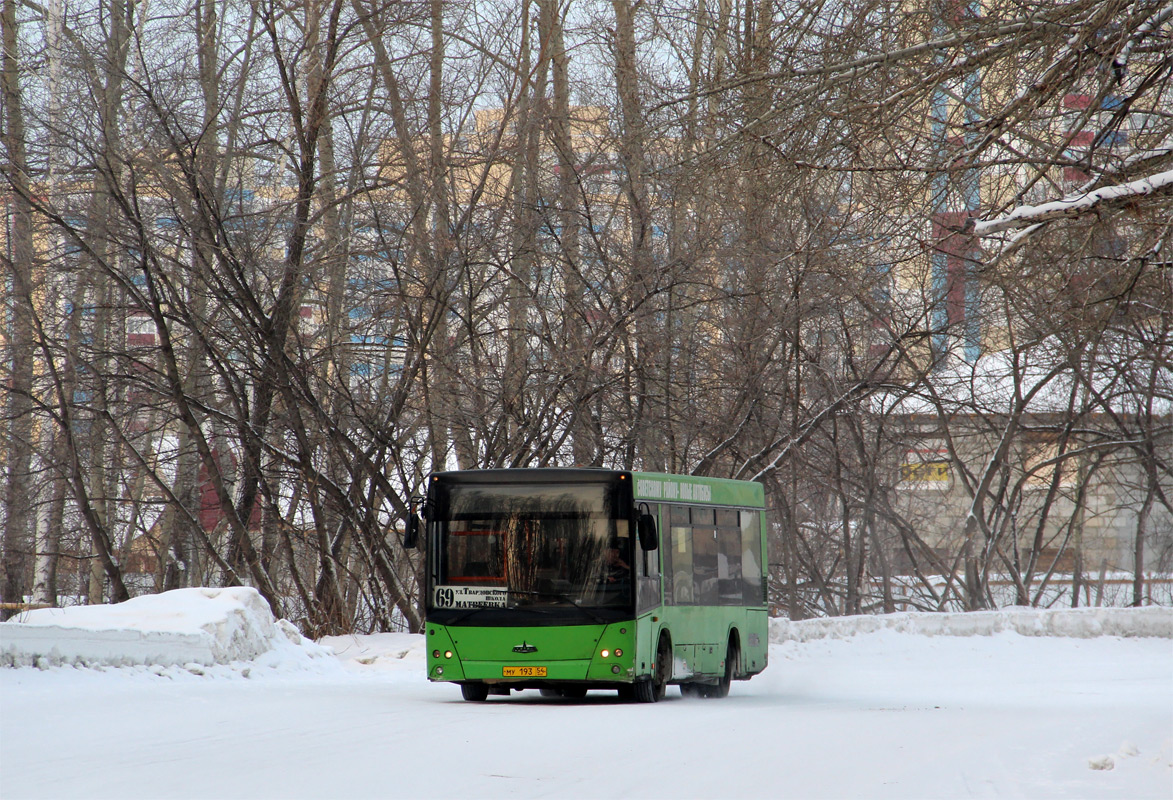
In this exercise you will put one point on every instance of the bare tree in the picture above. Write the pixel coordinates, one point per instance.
(259, 293)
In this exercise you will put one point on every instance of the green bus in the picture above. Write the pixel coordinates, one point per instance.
(566, 580)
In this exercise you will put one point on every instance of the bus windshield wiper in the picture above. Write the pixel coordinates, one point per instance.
(574, 601)
(468, 613)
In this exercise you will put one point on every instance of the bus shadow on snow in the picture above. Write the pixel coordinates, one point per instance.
(602, 697)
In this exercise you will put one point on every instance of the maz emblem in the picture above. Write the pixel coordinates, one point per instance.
(525, 648)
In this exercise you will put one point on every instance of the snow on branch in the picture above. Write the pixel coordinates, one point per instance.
(1077, 205)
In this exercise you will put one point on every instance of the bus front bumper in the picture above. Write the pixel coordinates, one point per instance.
(601, 655)
(592, 670)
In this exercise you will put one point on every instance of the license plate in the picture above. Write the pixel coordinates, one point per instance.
(523, 672)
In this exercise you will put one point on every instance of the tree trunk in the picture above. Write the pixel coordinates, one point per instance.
(21, 267)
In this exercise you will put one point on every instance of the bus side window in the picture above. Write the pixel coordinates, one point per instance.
(730, 591)
(751, 558)
(678, 559)
(704, 557)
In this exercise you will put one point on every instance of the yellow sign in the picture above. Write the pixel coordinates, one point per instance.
(925, 471)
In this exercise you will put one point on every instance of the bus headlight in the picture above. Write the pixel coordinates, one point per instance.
(618, 652)
(447, 654)
(605, 654)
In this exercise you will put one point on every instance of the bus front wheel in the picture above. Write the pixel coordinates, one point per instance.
(652, 689)
(474, 691)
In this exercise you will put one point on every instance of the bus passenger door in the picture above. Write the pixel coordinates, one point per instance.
(648, 598)
(647, 571)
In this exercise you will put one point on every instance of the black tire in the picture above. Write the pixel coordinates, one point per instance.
(549, 692)
(651, 690)
(475, 692)
(691, 690)
(732, 656)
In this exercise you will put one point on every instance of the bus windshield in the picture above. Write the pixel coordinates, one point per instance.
(513, 546)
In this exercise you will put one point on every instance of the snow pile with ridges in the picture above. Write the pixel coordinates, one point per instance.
(1075, 623)
(192, 628)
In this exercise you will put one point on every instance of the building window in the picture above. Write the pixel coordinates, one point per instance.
(140, 329)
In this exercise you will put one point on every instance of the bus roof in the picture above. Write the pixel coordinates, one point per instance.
(661, 487)
(649, 486)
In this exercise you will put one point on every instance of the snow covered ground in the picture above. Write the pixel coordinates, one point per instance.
(222, 702)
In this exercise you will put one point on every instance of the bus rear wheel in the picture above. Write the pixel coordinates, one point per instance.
(652, 689)
(721, 687)
(474, 691)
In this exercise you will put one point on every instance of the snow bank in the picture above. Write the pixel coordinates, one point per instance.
(375, 653)
(196, 629)
(1077, 623)
(185, 627)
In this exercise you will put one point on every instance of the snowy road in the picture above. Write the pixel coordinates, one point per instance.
(883, 715)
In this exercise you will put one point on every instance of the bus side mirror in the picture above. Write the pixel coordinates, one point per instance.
(646, 526)
(411, 532)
